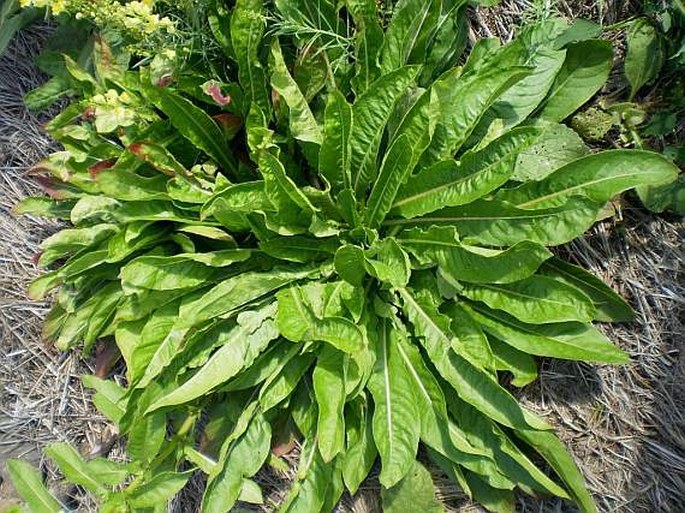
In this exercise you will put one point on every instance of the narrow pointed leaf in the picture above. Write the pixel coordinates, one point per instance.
(334, 155)
(329, 389)
(28, 483)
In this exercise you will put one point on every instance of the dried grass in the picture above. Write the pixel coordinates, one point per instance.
(625, 425)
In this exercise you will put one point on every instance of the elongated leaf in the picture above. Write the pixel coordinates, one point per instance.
(247, 30)
(536, 300)
(244, 459)
(299, 249)
(493, 499)
(569, 340)
(610, 306)
(178, 271)
(496, 223)
(303, 126)
(472, 263)
(281, 386)
(585, 70)
(360, 451)
(450, 183)
(196, 126)
(368, 41)
(158, 490)
(241, 347)
(334, 156)
(473, 385)
(463, 100)
(28, 483)
(74, 467)
(329, 389)
(394, 170)
(599, 177)
(108, 397)
(645, 55)
(396, 421)
(415, 492)
(371, 113)
(521, 365)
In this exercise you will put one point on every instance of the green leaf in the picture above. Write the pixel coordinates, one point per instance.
(74, 467)
(497, 223)
(361, 452)
(450, 183)
(473, 264)
(493, 499)
(371, 113)
(415, 492)
(243, 459)
(329, 378)
(557, 146)
(281, 386)
(185, 270)
(396, 166)
(396, 418)
(196, 126)
(47, 94)
(580, 30)
(29, 484)
(334, 156)
(158, 489)
(299, 248)
(585, 70)
(388, 262)
(610, 306)
(536, 300)
(240, 348)
(599, 177)
(463, 100)
(107, 472)
(299, 322)
(247, 30)
(369, 38)
(521, 365)
(645, 56)
(108, 397)
(303, 126)
(472, 384)
(406, 39)
(568, 340)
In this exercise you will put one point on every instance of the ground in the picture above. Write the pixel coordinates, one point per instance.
(625, 425)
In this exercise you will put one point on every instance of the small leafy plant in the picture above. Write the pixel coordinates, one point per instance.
(343, 239)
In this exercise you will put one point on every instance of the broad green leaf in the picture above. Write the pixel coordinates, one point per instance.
(244, 459)
(463, 100)
(371, 113)
(493, 499)
(393, 173)
(158, 489)
(281, 386)
(472, 384)
(361, 452)
(451, 183)
(334, 155)
(47, 94)
(585, 70)
(536, 300)
(240, 348)
(350, 264)
(298, 322)
(44, 207)
(497, 223)
(71, 240)
(415, 492)
(610, 306)
(196, 126)
(645, 56)
(74, 467)
(328, 379)
(669, 197)
(417, 122)
(599, 177)
(147, 434)
(518, 102)
(185, 270)
(411, 28)
(396, 416)
(107, 472)
(557, 146)
(247, 30)
(580, 30)
(303, 126)
(449, 40)
(29, 484)
(473, 264)
(567, 340)
(299, 248)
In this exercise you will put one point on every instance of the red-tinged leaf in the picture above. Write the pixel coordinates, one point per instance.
(230, 124)
(213, 90)
(101, 166)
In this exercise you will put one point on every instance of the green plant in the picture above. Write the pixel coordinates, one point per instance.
(296, 251)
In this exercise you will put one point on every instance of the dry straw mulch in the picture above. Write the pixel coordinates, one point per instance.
(625, 425)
